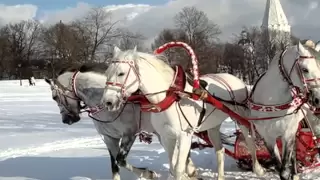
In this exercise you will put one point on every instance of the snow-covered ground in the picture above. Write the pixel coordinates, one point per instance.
(35, 145)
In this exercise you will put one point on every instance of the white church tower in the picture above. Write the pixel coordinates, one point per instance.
(276, 23)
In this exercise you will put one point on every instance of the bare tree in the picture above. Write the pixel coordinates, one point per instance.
(4, 53)
(201, 34)
(232, 59)
(266, 44)
(174, 55)
(63, 45)
(129, 40)
(196, 25)
(23, 42)
(101, 29)
(84, 39)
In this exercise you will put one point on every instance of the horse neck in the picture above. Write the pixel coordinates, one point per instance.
(90, 87)
(153, 81)
(272, 88)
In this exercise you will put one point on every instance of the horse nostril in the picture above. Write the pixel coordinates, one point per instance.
(316, 101)
(109, 103)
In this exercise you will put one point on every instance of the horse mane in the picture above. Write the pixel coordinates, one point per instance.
(313, 52)
(275, 59)
(158, 62)
(86, 67)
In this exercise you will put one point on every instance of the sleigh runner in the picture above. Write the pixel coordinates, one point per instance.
(307, 149)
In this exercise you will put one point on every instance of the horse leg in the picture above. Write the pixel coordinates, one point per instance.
(294, 162)
(169, 145)
(215, 138)
(250, 141)
(114, 167)
(190, 168)
(271, 144)
(183, 146)
(113, 148)
(287, 171)
(125, 146)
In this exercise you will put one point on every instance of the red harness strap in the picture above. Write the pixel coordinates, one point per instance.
(178, 84)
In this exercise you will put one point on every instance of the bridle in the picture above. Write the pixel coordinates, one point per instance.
(124, 94)
(62, 94)
(296, 91)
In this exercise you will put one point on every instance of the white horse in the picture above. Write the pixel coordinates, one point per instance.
(86, 84)
(284, 91)
(176, 120)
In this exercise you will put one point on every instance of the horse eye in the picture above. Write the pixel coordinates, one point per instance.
(121, 74)
(305, 70)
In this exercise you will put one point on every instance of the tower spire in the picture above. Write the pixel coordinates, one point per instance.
(274, 17)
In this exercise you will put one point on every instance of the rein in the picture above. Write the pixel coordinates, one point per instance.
(91, 115)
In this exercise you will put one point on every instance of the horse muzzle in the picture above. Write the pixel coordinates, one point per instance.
(314, 98)
(112, 104)
(70, 119)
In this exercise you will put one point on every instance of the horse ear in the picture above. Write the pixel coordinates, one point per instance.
(116, 50)
(300, 47)
(49, 81)
(135, 49)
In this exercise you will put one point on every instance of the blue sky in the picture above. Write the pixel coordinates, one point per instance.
(60, 4)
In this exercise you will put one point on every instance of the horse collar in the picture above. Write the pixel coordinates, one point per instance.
(178, 84)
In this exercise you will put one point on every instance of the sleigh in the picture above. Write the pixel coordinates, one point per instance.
(307, 149)
(307, 153)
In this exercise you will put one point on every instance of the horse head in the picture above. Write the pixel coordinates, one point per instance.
(300, 68)
(76, 85)
(66, 98)
(131, 71)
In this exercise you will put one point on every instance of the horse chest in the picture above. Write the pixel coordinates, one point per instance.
(109, 129)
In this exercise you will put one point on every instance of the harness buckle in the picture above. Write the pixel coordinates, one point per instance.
(155, 107)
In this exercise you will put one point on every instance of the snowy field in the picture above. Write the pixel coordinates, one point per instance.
(35, 145)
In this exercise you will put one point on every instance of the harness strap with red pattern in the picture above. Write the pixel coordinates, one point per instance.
(298, 97)
(178, 85)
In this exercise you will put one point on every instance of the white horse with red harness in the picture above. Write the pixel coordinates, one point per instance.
(86, 84)
(285, 92)
(118, 129)
(175, 118)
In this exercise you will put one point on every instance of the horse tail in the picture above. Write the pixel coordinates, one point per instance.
(192, 54)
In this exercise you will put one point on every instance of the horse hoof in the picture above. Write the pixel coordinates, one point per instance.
(150, 175)
(296, 177)
(116, 176)
(259, 171)
(195, 178)
(286, 175)
(193, 174)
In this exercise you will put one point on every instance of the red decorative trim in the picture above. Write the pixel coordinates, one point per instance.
(177, 85)
(194, 59)
(296, 102)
